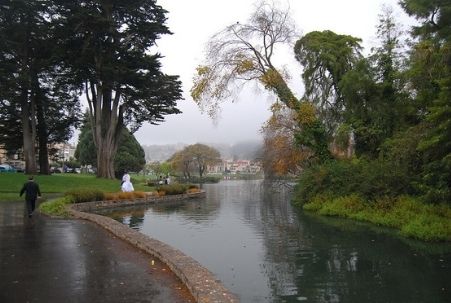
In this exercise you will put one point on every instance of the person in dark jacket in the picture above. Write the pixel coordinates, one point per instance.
(31, 190)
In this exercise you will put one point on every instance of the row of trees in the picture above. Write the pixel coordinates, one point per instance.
(392, 106)
(53, 51)
(192, 160)
(196, 157)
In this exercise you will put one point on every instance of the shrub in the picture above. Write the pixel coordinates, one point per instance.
(56, 207)
(428, 227)
(317, 202)
(370, 179)
(110, 196)
(173, 189)
(411, 217)
(151, 183)
(193, 190)
(343, 206)
(125, 195)
(79, 196)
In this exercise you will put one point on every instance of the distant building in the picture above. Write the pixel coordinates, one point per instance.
(235, 167)
(64, 152)
(2, 155)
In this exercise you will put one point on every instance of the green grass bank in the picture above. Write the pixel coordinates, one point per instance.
(411, 217)
(11, 183)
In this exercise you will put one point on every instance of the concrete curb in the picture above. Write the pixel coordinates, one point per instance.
(202, 284)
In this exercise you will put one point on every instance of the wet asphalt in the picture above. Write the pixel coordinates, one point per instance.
(50, 260)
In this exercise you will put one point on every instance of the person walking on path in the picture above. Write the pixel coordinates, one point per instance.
(32, 191)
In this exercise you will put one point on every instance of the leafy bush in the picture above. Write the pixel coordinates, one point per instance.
(173, 189)
(80, 196)
(56, 207)
(151, 183)
(193, 190)
(369, 179)
(124, 195)
(411, 217)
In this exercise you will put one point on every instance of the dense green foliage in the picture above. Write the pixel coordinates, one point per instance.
(109, 47)
(56, 207)
(38, 103)
(129, 157)
(53, 50)
(396, 108)
(326, 58)
(412, 218)
(395, 105)
(80, 196)
(173, 189)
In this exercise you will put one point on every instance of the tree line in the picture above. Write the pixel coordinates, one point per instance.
(188, 163)
(55, 51)
(373, 125)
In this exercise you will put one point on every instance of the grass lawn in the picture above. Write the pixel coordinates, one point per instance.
(11, 183)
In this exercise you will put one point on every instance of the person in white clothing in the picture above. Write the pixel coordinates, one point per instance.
(127, 186)
(125, 177)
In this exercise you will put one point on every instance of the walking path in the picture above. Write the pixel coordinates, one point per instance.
(54, 260)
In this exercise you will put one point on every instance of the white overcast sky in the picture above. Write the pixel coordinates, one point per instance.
(193, 22)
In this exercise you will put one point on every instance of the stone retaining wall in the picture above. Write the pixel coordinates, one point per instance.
(201, 282)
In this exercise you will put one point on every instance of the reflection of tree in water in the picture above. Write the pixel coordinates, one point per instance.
(316, 262)
(319, 259)
(132, 216)
(195, 210)
(273, 218)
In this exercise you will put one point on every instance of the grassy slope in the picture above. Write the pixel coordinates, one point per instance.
(411, 217)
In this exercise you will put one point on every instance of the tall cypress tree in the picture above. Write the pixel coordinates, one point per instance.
(431, 79)
(37, 106)
(110, 50)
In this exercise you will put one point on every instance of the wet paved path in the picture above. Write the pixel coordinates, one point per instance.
(55, 260)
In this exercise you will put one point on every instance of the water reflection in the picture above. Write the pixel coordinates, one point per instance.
(250, 237)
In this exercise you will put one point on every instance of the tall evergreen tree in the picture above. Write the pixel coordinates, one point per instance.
(431, 80)
(326, 58)
(109, 49)
(129, 157)
(35, 100)
(374, 90)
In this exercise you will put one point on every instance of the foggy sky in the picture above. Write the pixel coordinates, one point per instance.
(194, 21)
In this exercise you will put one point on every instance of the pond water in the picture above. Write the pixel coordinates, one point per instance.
(263, 250)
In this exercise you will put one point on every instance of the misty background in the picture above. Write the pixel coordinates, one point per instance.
(237, 130)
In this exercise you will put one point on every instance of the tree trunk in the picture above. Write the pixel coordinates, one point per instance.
(27, 111)
(105, 160)
(41, 128)
(106, 130)
(107, 147)
(29, 151)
